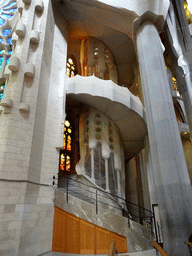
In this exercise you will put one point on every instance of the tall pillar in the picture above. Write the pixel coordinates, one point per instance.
(92, 166)
(118, 184)
(107, 175)
(185, 88)
(171, 177)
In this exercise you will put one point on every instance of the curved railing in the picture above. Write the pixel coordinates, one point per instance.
(98, 196)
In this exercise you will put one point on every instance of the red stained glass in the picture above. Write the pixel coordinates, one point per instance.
(66, 153)
(64, 142)
(68, 166)
(62, 162)
(69, 143)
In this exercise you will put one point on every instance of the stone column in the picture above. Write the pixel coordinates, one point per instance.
(107, 175)
(92, 165)
(171, 177)
(184, 85)
(118, 183)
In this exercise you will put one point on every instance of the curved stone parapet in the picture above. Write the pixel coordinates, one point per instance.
(117, 102)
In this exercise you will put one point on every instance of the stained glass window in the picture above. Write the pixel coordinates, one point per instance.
(7, 9)
(71, 67)
(1, 62)
(2, 87)
(9, 40)
(6, 32)
(66, 153)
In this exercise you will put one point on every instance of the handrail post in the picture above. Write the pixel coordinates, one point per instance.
(67, 189)
(96, 203)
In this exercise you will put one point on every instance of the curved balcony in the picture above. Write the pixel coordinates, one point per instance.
(118, 103)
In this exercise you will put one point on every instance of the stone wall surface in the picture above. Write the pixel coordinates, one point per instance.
(26, 209)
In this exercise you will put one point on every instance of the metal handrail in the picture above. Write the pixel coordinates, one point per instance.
(111, 195)
(124, 202)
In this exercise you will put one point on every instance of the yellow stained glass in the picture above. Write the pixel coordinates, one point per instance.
(69, 143)
(62, 162)
(174, 83)
(71, 68)
(70, 61)
(69, 130)
(64, 141)
(67, 123)
(68, 166)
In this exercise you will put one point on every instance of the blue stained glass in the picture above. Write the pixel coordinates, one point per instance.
(6, 32)
(2, 21)
(1, 62)
(10, 5)
(4, 3)
(8, 16)
(2, 51)
(1, 95)
(8, 59)
(10, 52)
(1, 40)
(9, 40)
(9, 11)
(3, 86)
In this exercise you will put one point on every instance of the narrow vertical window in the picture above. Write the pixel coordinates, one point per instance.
(71, 68)
(65, 165)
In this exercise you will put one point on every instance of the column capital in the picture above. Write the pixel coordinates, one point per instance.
(185, 62)
(156, 13)
(157, 20)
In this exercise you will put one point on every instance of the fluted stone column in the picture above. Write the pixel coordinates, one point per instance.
(171, 177)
